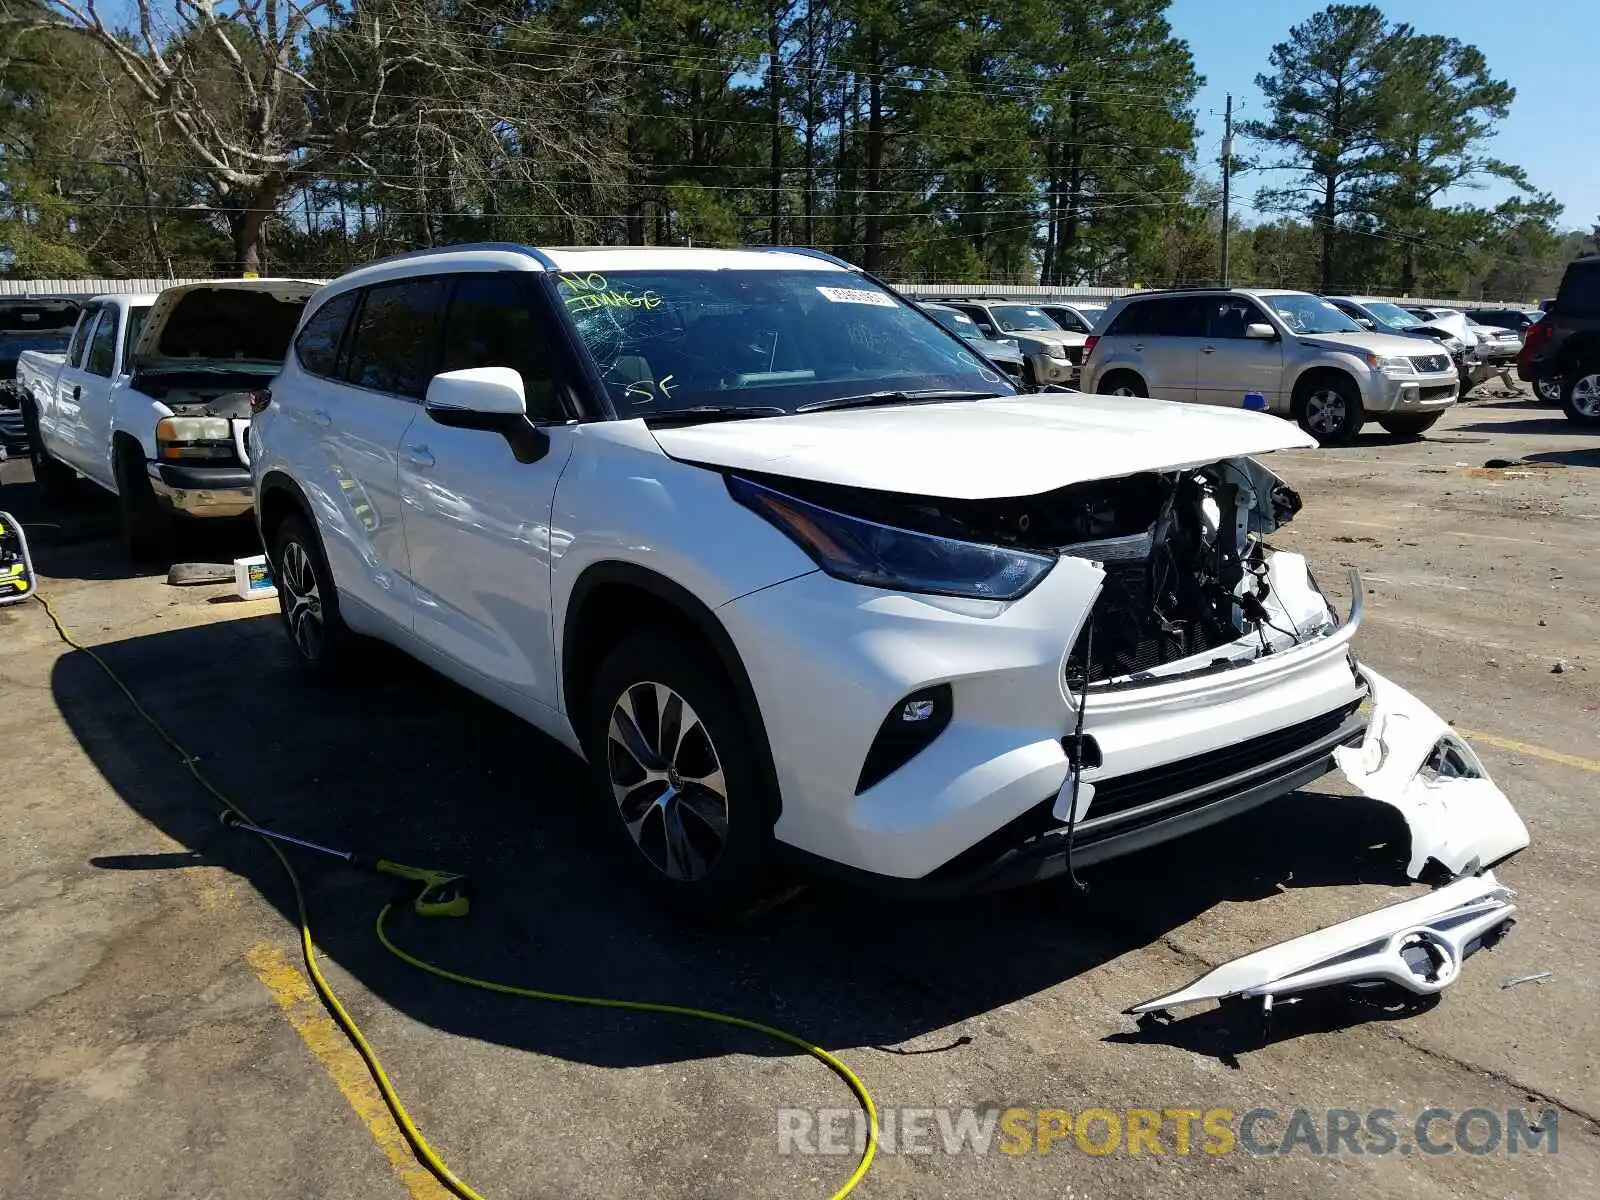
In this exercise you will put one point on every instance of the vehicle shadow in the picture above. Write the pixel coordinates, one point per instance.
(78, 538)
(407, 766)
(1556, 423)
(1589, 457)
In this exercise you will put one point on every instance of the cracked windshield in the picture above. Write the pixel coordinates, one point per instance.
(666, 341)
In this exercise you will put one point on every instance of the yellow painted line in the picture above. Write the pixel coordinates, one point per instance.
(1532, 751)
(292, 991)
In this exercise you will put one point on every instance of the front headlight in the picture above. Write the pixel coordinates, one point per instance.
(899, 560)
(1391, 366)
(1054, 351)
(194, 437)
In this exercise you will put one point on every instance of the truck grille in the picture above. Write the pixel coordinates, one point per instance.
(1431, 364)
(1075, 355)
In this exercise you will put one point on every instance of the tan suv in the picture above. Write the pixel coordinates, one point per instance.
(1289, 353)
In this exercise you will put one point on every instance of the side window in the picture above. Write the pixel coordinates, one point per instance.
(80, 336)
(317, 347)
(972, 310)
(1135, 319)
(494, 322)
(1228, 316)
(1177, 316)
(1069, 320)
(102, 356)
(392, 348)
(136, 318)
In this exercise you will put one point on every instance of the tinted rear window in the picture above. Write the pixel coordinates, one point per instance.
(1580, 290)
(318, 343)
(230, 323)
(396, 335)
(44, 317)
(1176, 316)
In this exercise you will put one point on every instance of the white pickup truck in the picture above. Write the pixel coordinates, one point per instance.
(151, 400)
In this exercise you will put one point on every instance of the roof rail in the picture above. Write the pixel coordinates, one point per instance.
(807, 251)
(533, 252)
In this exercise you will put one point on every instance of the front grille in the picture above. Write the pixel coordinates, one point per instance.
(1141, 787)
(1075, 355)
(1431, 364)
(1437, 393)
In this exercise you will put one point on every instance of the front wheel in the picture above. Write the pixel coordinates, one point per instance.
(1330, 410)
(146, 526)
(1580, 396)
(1548, 389)
(681, 776)
(1410, 424)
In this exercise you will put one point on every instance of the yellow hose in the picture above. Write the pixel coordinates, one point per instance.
(424, 1151)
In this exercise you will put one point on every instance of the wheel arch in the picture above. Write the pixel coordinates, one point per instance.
(278, 497)
(1579, 351)
(1110, 373)
(1320, 372)
(611, 599)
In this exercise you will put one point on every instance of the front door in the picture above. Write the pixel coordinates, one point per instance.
(1232, 366)
(477, 519)
(66, 437)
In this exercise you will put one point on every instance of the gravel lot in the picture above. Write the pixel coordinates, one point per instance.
(160, 1043)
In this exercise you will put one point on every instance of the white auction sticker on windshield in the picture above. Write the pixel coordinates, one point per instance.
(857, 296)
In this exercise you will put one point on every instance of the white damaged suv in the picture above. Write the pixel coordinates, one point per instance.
(800, 574)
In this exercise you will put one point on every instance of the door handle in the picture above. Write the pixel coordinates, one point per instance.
(419, 456)
(1137, 346)
(77, 391)
(320, 418)
(1208, 350)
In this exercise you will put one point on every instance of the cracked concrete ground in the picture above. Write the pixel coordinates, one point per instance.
(154, 1050)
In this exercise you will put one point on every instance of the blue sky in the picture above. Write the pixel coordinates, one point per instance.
(1551, 131)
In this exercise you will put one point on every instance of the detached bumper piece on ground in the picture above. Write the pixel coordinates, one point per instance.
(1458, 818)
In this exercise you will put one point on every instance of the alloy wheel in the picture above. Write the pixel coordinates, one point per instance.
(667, 780)
(1326, 412)
(1549, 390)
(302, 601)
(1586, 396)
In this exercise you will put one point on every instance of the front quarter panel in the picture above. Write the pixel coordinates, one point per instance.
(623, 500)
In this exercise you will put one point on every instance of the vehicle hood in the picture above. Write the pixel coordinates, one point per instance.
(221, 322)
(1387, 344)
(1047, 337)
(974, 450)
(990, 348)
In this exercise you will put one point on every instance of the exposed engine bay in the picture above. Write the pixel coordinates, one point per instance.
(1186, 569)
(204, 393)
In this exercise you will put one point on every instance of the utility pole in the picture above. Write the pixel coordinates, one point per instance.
(1227, 172)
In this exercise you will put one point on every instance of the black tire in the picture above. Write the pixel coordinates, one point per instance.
(56, 481)
(1548, 390)
(146, 526)
(1410, 424)
(1328, 407)
(1121, 383)
(1580, 395)
(707, 876)
(308, 600)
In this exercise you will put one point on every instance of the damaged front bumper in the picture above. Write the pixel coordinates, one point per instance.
(1411, 760)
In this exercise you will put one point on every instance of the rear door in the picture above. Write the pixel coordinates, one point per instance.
(1166, 350)
(356, 416)
(477, 520)
(70, 438)
(1230, 365)
(101, 365)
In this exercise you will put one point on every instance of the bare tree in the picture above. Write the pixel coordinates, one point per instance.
(265, 96)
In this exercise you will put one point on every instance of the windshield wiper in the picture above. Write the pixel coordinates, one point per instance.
(874, 399)
(712, 412)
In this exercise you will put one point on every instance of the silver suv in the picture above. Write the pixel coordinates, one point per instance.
(1050, 353)
(1289, 353)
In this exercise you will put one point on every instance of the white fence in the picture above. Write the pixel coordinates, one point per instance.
(82, 289)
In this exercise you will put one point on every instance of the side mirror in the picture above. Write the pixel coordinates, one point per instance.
(1366, 322)
(476, 398)
(1260, 331)
(488, 398)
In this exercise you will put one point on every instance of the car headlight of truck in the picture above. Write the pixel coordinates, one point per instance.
(1054, 351)
(899, 560)
(190, 438)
